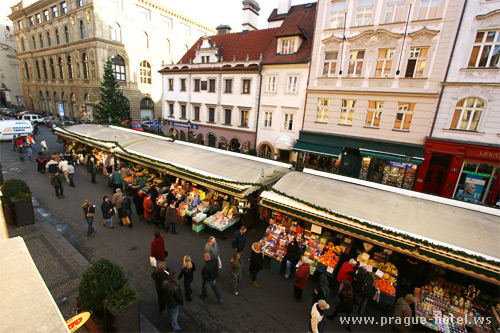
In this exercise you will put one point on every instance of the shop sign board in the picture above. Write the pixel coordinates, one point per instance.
(402, 165)
(61, 110)
(77, 321)
(176, 124)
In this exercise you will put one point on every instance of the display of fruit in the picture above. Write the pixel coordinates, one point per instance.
(385, 286)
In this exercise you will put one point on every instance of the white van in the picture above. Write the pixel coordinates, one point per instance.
(33, 118)
(11, 128)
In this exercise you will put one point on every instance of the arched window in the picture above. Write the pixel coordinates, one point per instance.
(144, 40)
(88, 108)
(70, 68)
(23, 47)
(73, 105)
(85, 66)
(58, 40)
(37, 65)
(66, 34)
(34, 42)
(145, 70)
(115, 32)
(468, 114)
(118, 67)
(41, 40)
(61, 68)
(65, 104)
(167, 46)
(49, 42)
(265, 151)
(52, 69)
(47, 95)
(55, 97)
(27, 70)
(49, 103)
(147, 109)
(44, 67)
(82, 29)
(212, 140)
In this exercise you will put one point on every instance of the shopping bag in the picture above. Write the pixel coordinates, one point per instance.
(152, 261)
(220, 263)
(125, 220)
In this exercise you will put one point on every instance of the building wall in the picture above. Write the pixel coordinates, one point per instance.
(436, 34)
(280, 103)
(169, 35)
(10, 74)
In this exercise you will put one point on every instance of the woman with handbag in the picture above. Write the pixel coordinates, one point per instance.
(89, 211)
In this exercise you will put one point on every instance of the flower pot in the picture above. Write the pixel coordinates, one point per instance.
(127, 320)
(24, 212)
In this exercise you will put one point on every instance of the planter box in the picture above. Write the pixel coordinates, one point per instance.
(93, 327)
(8, 211)
(127, 320)
(24, 212)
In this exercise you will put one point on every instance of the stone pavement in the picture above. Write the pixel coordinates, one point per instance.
(61, 250)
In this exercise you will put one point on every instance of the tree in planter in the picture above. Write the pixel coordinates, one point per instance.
(18, 205)
(112, 107)
(16, 189)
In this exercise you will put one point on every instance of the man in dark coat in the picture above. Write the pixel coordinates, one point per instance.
(240, 239)
(171, 218)
(172, 295)
(209, 274)
(127, 208)
(92, 169)
(56, 181)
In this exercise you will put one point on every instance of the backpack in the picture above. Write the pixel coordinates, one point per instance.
(367, 285)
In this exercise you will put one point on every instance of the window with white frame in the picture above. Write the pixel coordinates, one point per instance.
(55, 11)
(337, 14)
(356, 58)
(271, 83)
(287, 45)
(32, 21)
(330, 64)
(170, 109)
(374, 113)
(384, 62)
(211, 115)
(228, 85)
(244, 118)
(183, 84)
(211, 85)
(115, 32)
(416, 62)
(364, 12)
(347, 111)
(486, 50)
(38, 18)
(468, 114)
(46, 15)
(245, 89)
(288, 122)
(404, 116)
(197, 113)
(183, 111)
(196, 85)
(323, 110)
(79, 3)
(170, 84)
(145, 72)
(64, 8)
(82, 30)
(118, 64)
(291, 84)
(394, 11)
(227, 116)
(268, 119)
(428, 9)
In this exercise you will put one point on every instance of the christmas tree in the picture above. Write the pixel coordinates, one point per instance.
(112, 107)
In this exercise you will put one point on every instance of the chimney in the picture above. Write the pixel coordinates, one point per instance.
(250, 15)
(284, 6)
(223, 29)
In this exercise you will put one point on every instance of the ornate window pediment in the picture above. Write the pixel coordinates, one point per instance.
(379, 37)
(332, 42)
(423, 35)
(489, 20)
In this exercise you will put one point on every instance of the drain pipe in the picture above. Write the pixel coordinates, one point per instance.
(258, 108)
(448, 69)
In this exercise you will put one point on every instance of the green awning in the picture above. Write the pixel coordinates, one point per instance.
(317, 148)
(389, 156)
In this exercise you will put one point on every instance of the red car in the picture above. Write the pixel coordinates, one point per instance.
(48, 121)
(133, 125)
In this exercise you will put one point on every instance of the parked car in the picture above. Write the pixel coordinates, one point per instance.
(33, 118)
(65, 123)
(136, 126)
(150, 128)
(48, 121)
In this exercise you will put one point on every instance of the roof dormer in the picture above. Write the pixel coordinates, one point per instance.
(207, 52)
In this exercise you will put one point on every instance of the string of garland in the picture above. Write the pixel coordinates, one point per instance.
(388, 231)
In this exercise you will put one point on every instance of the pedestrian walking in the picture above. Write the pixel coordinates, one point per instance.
(89, 211)
(173, 299)
(149, 208)
(160, 275)
(240, 239)
(158, 247)
(107, 209)
(116, 200)
(318, 321)
(29, 152)
(345, 304)
(256, 261)
(52, 166)
(212, 248)
(71, 174)
(171, 218)
(127, 209)
(63, 167)
(209, 275)
(292, 257)
(116, 180)
(323, 289)
(41, 162)
(138, 200)
(56, 181)
(188, 268)
(92, 169)
(303, 274)
(36, 131)
(45, 148)
(402, 311)
(14, 143)
(235, 263)
(20, 152)
(363, 290)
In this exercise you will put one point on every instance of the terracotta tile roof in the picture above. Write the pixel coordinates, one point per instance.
(251, 43)
(299, 21)
(182, 69)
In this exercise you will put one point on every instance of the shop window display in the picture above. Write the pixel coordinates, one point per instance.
(399, 174)
(476, 182)
(322, 162)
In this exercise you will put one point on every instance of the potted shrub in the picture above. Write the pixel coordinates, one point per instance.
(121, 311)
(18, 201)
(103, 280)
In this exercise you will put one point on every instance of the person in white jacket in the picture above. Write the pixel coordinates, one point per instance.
(63, 166)
(317, 323)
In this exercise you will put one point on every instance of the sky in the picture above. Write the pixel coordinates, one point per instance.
(216, 12)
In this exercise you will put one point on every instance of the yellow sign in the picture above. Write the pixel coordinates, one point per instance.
(77, 321)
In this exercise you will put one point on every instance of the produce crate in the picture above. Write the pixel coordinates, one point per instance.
(198, 228)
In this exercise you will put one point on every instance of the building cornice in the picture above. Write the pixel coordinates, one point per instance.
(374, 92)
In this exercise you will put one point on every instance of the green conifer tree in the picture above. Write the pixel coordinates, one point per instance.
(112, 107)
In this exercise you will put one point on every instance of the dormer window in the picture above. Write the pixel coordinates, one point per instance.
(288, 46)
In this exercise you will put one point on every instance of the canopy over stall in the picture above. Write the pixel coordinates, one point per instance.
(228, 172)
(457, 238)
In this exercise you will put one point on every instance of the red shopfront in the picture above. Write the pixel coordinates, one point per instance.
(460, 170)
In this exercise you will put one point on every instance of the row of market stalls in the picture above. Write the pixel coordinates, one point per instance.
(445, 252)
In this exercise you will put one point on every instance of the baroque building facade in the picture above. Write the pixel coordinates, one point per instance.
(63, 46)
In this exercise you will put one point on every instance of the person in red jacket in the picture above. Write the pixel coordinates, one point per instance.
(346, 273)
(149, 208)
(303, 275)
(158, 247)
